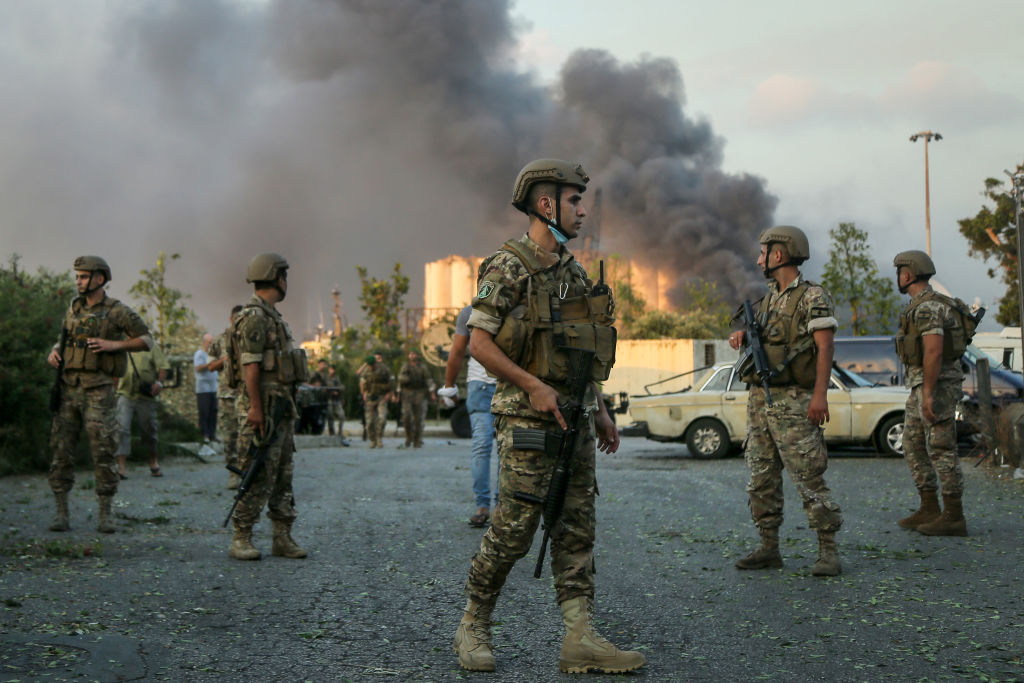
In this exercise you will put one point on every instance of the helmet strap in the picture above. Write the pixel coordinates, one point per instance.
(903, 288)
(768, 254)
(90, 289)
(561, 236)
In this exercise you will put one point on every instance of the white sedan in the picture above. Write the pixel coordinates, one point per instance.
(711, 416)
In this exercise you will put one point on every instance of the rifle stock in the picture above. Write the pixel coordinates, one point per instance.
(57, 389)
(580, 361)
(753, 340)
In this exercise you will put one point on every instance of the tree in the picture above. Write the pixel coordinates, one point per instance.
(852, 277)
(382, 302)
(992, 233)
(705, 315)
(31, 311)
(173, 324)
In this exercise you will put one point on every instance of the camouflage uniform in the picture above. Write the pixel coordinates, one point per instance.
(88, 392)
(503, 284)
(377, 384)
(782, 435)
(227, 420)
(258, 332)
(931, 448)
(414, 383)
(335, 407)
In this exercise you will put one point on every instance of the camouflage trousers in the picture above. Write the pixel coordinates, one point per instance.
(414, 411)
(930, 449)
(781, 436)
(376, 417)
(335, 417)
(515, 522)
(273, 485)
(227, 429)
(96, 409)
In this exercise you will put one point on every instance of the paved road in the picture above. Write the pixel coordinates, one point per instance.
(379, 596)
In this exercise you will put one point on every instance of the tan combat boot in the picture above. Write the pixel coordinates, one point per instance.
(241, 545)
(284, 545)
(583, 650)
(60, 522)
(473, 637)
(828, 556)
(105, 525)
(950, 523)
(928, 512)
(767, 555)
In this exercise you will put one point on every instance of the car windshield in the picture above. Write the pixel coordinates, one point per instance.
(975, 354)
(851, 378)
(719, 381)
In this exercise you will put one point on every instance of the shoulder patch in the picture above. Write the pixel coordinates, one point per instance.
(486, 287)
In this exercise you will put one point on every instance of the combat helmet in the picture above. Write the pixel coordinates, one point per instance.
(792, 237)
(546, 171)
(916, 261)
(266, 267)
(93, 264)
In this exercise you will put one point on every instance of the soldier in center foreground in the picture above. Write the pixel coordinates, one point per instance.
(798, 322)
(534, 300)
(266, 367)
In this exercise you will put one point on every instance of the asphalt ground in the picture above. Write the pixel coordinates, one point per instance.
(381, 592)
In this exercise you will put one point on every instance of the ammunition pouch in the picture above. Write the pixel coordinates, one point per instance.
(285, 366)
(78, 356)
(536, 440)
(788, 367)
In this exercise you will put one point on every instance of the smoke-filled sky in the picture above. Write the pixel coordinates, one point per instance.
(364, 132)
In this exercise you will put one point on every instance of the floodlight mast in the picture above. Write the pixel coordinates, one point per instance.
(928, 137)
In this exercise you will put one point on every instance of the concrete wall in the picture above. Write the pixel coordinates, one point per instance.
(639, 362)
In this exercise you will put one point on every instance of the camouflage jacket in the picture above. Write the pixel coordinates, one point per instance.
(414, 377)
(503, 281)
(262, 337)
(376, 381)
(108, 319)
(219, 349)
(932, 317)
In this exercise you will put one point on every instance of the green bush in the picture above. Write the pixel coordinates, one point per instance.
(31, 309)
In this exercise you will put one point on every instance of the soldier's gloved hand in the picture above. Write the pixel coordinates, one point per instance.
(447, 395)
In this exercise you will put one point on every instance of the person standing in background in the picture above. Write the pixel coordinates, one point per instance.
(206, 391)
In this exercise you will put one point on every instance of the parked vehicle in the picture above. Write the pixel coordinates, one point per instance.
(875, 359)
(711, 416)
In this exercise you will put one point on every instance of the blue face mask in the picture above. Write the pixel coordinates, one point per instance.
(559, 237)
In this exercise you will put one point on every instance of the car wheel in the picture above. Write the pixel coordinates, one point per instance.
(707, 438)
(889, 437)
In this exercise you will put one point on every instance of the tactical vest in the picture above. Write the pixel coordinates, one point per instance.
(377, 382)
(96, 323)
(415, 378)
(791, 355)
(281, 363)
(558, 312)
(229, 375)
(909, 347)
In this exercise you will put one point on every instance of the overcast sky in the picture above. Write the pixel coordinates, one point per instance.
(344, 134)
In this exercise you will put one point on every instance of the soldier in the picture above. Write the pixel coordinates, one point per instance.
(335, 404)
(533, 273)
(267, 367)
(97, 334)
(227, 419)
(799, 323)
(934, 333)
(136, 395)
(415, 386)
(377, 387)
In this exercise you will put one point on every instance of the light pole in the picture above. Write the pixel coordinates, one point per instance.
(1018, 196)
(928, 137)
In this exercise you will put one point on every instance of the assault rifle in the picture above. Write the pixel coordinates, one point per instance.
(55, 391)
(755, 350)
(258, 448)
(562, 446)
